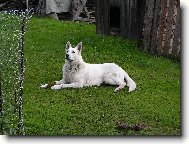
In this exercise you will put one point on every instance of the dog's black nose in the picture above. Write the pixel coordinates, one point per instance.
(67, 56)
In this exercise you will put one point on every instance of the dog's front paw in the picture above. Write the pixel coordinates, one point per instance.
(44, 86)
(56, 87)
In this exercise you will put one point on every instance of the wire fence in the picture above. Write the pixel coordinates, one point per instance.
(13, 25)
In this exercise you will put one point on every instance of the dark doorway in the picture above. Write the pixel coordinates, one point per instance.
(114, 20)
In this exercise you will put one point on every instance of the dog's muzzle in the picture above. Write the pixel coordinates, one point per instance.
(67, 57)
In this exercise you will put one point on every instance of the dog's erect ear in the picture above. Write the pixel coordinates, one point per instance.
(79, 46)
(68, 45)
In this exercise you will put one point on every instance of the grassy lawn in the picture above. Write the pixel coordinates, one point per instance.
(96, 110)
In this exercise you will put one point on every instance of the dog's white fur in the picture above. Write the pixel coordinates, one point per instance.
(77, 73)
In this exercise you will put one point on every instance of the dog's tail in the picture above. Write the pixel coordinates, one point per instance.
(130, 83)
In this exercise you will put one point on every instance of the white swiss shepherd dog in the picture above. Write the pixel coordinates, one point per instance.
(77, 73)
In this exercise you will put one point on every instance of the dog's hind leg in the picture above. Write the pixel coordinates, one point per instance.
(114, 80)
(121, 86)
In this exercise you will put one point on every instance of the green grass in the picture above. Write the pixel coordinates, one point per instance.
(96, 110)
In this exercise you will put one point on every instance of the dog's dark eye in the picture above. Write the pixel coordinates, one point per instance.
(73, 51)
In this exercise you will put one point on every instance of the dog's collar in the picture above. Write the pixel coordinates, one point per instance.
(74, 67)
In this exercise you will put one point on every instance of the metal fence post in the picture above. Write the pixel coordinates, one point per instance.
(20, 123)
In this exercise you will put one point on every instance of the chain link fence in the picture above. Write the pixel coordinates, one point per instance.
(13, 24)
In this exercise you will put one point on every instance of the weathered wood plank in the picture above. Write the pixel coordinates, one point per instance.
(125, 18)
(102, 20)
(133, 17)
(128, 18)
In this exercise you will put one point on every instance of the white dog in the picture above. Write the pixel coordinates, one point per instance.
(77, 73)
